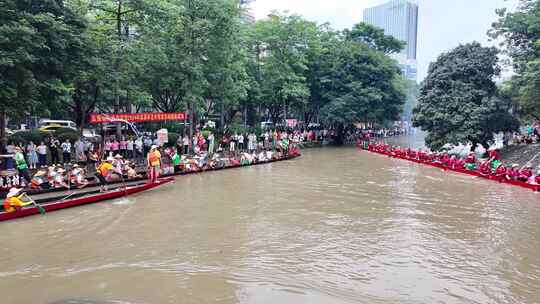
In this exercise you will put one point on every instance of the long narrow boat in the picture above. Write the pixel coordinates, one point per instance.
(463, 171)
(86, 198)
(94, 183)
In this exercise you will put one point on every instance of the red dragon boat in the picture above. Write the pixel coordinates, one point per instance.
(463, 171)
(53, 204)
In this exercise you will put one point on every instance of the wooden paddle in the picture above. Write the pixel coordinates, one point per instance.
(41, 209)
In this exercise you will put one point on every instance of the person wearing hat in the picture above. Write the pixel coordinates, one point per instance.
(470, 161)
(525, 173)
(103, 171)
(154, 163)
(15, 200)
(39, 180)
(537, 178)
(513, 172)
(20, 162)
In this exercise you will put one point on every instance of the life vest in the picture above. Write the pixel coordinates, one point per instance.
(15, 201)
(104, 168)
(154, 158)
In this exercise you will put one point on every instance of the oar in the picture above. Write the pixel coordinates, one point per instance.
(41, 209)
(530, 161)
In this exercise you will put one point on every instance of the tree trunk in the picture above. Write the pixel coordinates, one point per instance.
(190, 117)
(117, 69)
(3, 135)
(222, 116)
(340, 135)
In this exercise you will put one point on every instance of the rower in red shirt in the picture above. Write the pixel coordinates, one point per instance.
(493, 154)
(445, 159)
(500, 172)
(459, 163)
(525, 173)
(485, 168)
(470, 161)
(512, 173)
(537, 178)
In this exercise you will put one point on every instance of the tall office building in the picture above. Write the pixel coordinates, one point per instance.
(398, 18)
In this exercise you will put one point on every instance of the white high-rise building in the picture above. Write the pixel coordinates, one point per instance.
(398, 18)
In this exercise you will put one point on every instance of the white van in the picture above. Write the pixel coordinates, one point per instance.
(62, 123)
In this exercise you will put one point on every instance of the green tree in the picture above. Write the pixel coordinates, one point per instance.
(375, 38)
(363, 86)
(38, 40)
(520, 31)
(458, 102)
(281, 43)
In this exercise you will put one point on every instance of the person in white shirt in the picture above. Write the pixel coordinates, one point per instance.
(185, 142)
(42, 154)
(240, 142)
(232, 143)
(130, 148)
(66, 151)
(138, 147)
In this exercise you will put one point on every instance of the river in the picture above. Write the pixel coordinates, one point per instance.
(338, 225)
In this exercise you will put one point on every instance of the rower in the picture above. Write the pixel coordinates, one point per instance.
(494, 155)
(15, 200)
(470, 161)
(500, 172)
(103, 171)
(525, 173)
(485, 168)
(513, 172)
(154, 163)
(537, 178)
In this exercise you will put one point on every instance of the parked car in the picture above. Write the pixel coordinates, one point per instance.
(50, 128)
(89, 133)
(62, 123)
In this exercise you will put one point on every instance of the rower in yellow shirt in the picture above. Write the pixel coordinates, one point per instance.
(103, 171)
(154, 163)
(15, 200)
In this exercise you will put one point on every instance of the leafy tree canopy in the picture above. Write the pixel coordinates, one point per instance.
(375, 38)
(458, 102)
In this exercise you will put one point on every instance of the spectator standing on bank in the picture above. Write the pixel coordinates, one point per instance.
(211, 143)
(66, 151)
(115, 147)
(138, 147)
(147, 144)
(54, 145)
(79, 151)
(185, 142)
(10, 150)
(88, 148)
(240, 142)
(108, 148)
(31, 155)
(123, 147)
(130, 148)
(42, 154)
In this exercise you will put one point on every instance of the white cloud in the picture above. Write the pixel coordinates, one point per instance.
(340, 13)
(443, 24)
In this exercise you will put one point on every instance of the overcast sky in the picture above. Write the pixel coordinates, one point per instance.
(443, 24)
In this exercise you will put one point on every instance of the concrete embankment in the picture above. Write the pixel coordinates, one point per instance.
(521, 154)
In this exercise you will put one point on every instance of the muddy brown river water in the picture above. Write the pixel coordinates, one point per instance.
(335, 226)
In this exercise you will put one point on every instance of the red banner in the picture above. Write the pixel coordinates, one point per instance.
(96, 118)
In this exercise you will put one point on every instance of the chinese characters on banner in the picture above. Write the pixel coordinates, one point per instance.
(96, 118)
(7, 182)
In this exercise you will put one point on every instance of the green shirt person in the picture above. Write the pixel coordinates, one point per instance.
(19, 160)
(22, 167)
(176, 159)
